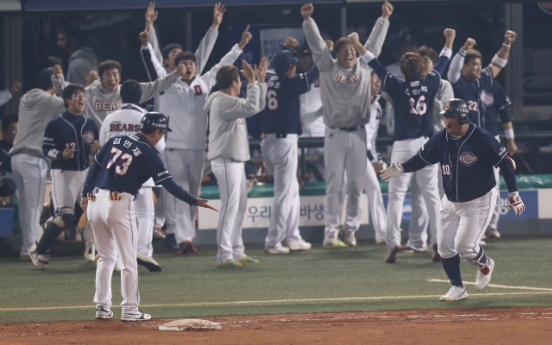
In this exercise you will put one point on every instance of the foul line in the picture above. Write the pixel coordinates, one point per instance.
(495, 285)
(304, 300)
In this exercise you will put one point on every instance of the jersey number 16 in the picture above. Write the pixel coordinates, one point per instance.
(122, 168)
(418, 108)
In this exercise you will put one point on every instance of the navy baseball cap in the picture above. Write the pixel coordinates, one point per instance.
(44, 78)
(283, 60)
(154, 120)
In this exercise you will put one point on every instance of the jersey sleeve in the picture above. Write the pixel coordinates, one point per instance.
(486, 79)
(149, 90)
(302, 82)
(496, 152)
(228, 59)
(320, 53)
(205, 48)
(49, 148)
(156, 168)
(430, 153)
(502, 103)
(377, 36)
(389, 83)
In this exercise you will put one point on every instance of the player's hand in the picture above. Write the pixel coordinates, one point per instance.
(353, 38)
(144, 38)
(218, 14)
(246, 37)
(95, 147)
(181, 69)
(205, 203)
(386, 10)
(469, 44)
(450, 33)
(57, 71)
(306, 11)
(68, 153)
(516, 203)
(84, 203)
(509, 37)
(248, 72)
(512, 147)
(394, 170)
(260, 72)
(329, 44)
(291, 43)
(91, 77)
(15, 87)
(151, 15)
(378, 166)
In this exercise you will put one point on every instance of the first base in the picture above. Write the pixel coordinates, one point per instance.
(184, 324)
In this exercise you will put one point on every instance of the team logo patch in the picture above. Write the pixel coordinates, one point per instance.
(468, 158)
(486, 98)
(88, 137)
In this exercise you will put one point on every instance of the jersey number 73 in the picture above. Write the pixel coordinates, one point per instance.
(120, 169)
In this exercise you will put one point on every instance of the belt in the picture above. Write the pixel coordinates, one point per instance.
(279, 135)
(348, 129)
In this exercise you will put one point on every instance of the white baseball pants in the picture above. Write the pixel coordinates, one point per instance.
(496, 212)
(67, 187)
(115, 231)
(186, 167)
(233, 196)
(344, 154)
(143, 206)
(375, 202)
(398, 186)
(29, 175)
(280, 156)
(463, 224)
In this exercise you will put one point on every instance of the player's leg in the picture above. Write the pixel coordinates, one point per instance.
(475, 218)
(96, 214)
(492, 229)
(174, 164)
(446, 237)
(334, 157)
(29, 175)
(143, 207)
(88, 235)
(375, 203)
(238, 249)
(419, 220)
(229, 179)
(160, 208)
(427, 177)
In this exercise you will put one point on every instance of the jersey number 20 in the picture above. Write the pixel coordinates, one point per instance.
(418, 108)
(122, 168)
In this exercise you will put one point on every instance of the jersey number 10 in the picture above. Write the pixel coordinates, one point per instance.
(120, 169)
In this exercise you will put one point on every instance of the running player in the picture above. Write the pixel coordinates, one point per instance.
(413, 104)
(120, 169)
(468, 156)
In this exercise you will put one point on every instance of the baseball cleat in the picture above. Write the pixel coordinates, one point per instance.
(349, 238)
(392, 254)
(135, 316)
(277, 249)
(230, 263)
(169, 242)
(483, 277)
(492, 233)
(298, 245)
(435, 257)
(148, 262)
(90, 252)
(158, 233)
(103, 313)
(39, 261)
(247, 260)
(455, 293)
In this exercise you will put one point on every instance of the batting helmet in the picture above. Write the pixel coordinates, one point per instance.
(457, 108)
(152, 121)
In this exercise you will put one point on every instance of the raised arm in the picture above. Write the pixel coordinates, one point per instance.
(457, 62)
(151, 16)
(501, 58)
(379, 31)
(150, 89)
(57, 80)
(208, 42)
(446, 53)
(153, 67)
(320, 53)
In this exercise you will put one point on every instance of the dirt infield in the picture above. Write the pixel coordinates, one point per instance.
(449, 326)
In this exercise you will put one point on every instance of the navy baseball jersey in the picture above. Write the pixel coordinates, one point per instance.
(412, 101)
(496, 104)
(282, 114)
(76, 132)
(124, 163)
(472, 92)
(467, 163)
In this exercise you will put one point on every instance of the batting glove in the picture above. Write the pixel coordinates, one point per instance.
(516, 203)
(394, 170)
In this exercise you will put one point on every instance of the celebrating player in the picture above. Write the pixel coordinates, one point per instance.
(413, 104)
(468, 156)
(345, 91)
(229, 149)
(120, 169)
(282, 125)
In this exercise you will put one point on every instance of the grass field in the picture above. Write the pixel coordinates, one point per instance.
(320, 280)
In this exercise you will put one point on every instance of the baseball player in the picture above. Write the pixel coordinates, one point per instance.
(69, 139)
(229, 149)
(345, 93)
(413, 105)
(468, 156)
(185, 148)
(282, 125)
(498, 104)
(127, 121)
(120, 169)
(371, 184)
(29, 166)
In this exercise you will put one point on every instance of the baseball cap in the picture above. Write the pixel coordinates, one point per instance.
(44, 78)
(283, 60)
(302, 50)
(7, 187)
(154, 120)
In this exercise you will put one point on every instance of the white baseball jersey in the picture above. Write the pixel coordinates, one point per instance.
(311, 112)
